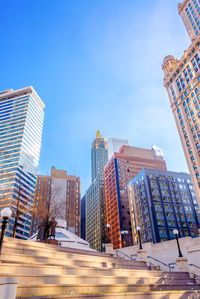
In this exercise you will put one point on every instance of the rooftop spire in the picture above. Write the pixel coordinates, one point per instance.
(98, 134)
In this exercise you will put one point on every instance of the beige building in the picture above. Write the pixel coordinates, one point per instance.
(62, 193)
(182, 81)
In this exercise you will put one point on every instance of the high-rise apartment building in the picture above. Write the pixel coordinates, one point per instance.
(161, 201)
(114, 145)
(182, 81)
(21, 124)
(99, 155)
(122, 167)
(95, 207)
(62, 191)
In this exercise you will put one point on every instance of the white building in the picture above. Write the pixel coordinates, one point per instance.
(114, 145)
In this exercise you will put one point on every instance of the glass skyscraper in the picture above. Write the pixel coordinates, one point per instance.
(21, 124)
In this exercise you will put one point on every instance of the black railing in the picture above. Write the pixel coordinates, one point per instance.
(167, 265)
(126, 255)
(195, 266)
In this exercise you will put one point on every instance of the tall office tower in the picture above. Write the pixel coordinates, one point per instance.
(95, 220)
(95, 208)
(189, 10)
(21, 123)
(114, 145)
(122, 167)
(182, 81)
(83, 217)
(99, 156)
(161, 201)
(62, 191)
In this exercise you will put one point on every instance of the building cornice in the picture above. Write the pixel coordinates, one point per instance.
(20, 92)
(180, 62)
(181, 6)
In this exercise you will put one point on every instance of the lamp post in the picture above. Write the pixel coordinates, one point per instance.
(5, 214)
(176, 232)
(139, 236)
(108, 231)
(124, 233)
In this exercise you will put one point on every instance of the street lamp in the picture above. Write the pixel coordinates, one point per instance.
(5, 214)
(176, 232)
(124, 233)
(139, 236)
(108, 230)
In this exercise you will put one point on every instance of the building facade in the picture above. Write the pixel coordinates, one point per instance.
(95, 207)
(118, 172)
(21, 124)
(61, 192)
(114, 145)
(161, 201)
(95, 220)
(83, 217)
(182, 82)
(99, 156)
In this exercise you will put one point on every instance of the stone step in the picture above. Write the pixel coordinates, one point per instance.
(130, 295)
(78, 279)
(19, 258)
(10, 248)
(18, 243)
(38, 269)
(62, 289)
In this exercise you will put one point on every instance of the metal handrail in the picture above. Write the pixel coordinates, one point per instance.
(129, 256)
(168, 265)
(193, 265)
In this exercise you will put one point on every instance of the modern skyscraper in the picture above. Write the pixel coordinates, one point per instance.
(161, 201)
(21, 123)
(114, 145)
(99, 156)
(121, 168)
(182, 81)
(95, 207)
(62, 191)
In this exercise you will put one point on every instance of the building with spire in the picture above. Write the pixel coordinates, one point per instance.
(94, 198)
(99, 156)
(182, 82)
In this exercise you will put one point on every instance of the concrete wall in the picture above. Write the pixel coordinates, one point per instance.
(167, 252)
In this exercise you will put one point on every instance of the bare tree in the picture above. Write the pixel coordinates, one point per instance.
(49, 209)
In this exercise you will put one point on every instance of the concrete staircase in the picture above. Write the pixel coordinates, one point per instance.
(48, 271)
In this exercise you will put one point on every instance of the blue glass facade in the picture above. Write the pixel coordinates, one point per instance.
(161, 201)
(21, 123)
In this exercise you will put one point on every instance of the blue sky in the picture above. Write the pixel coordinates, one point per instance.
(96, 65)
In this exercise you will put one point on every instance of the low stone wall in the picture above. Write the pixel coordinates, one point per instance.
(8, 287)
(167, 252)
